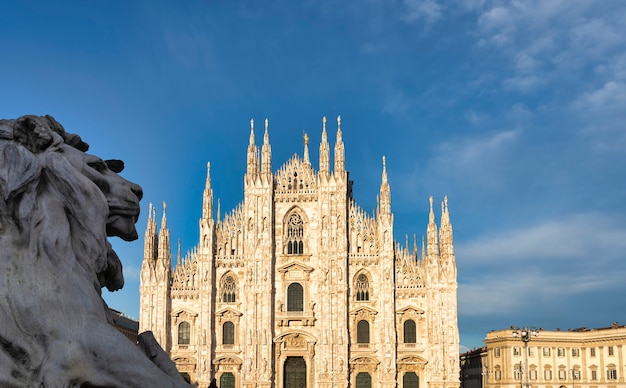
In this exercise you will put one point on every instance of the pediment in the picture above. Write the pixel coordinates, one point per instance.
(364, 313)
(228, 312)
(410, 309)
(184, 313)
(228, 360)
(364, 360)
(295, 271)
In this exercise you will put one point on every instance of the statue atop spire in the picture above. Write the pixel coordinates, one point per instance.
(340, 163)
(324, 152)
(306, 147)
(266, 155)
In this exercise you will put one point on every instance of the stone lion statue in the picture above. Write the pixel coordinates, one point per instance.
(58, 205)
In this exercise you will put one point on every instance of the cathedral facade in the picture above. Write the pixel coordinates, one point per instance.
(299, 287)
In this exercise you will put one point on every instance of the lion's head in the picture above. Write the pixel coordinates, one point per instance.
(61, 200)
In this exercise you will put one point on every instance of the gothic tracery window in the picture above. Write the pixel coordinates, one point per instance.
(229, 290)
(295, 234)
(362, 288)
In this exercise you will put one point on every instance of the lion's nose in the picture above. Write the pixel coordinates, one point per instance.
(137, 190)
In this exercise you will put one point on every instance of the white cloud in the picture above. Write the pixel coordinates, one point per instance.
(575, 238)
(429, 11)
(612, 95)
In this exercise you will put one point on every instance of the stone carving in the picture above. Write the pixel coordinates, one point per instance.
(58, 205)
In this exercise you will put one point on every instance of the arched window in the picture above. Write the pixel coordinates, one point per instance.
(228, 333)
(227, 380)
(363, 332)
(362, 288)
(295, 235)
(410, 335)
(410, 380)
(184, 333)
(295, 297)
(229, 290)
(363, 380)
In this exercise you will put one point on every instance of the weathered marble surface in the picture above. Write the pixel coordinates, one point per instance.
(58, 205)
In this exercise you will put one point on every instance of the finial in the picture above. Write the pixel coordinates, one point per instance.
(306, 137)
(252, 124)
(384, 163)
(266, 124)
(324, 123)
(338, 122)
(164, 207)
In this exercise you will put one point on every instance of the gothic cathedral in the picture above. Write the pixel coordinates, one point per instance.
(299, 287)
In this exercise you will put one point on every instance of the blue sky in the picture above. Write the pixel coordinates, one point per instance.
(513, 109)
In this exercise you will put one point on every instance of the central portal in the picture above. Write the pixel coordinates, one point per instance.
(295, 373)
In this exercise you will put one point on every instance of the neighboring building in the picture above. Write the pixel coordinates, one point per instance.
(589, 358)
(474, 368)
(128, 326)
(299, 287)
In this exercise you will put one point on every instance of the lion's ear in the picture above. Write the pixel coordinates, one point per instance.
(18, 167)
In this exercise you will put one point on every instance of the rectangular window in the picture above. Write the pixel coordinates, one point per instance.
(610, 348)
(546, 352)
(496, 352)
(533, 374)
(592, 352)
(562, 375)
(498, 375)
(611, 374)
(516, 351)
(575, 374)
(517, 373)
(575, 352)
(594, 375)
(560, 352)
(547, 374)
(531, 352)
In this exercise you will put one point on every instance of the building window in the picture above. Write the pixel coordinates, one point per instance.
(531, 351)
(228, 333)
(295, 234)
(410, 332)
(575, 374)
(611, 373)
(227, 380)
(410, 380)
(610, 349)
(516, 351)
(547, 374)
(592, 352)
(363, 332)
(562, 374)
(496, 352)
(560, 352)
(229, 289)
(363, 380)
(575, 352)
(362, 288)
(517, 372)
(295, 297)
(532, 374)
(498, 375)
(594, 375)
(546, 352)
(184, 333)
